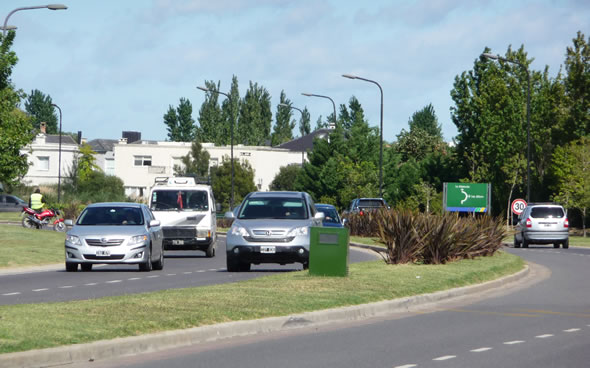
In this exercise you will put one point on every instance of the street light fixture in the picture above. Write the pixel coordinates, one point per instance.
(302, 116)
(7, 28)
(231, 129)
(50, 7)
(333, 104)
(59, 158)
(528, 118)
(350, 76)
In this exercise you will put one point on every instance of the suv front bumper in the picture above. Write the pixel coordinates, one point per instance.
(282, 254)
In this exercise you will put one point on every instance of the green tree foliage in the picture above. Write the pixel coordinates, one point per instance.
(243, 181)
(305, 122)
(212, 125)
(230, 109)
(196, 162)
(86, 162)
(255, 117)
(577, 87)
(15, 126)
(99, 187)
(179, 122)
(426, 121)
(39, 107)
(283, 128)
(285, 178)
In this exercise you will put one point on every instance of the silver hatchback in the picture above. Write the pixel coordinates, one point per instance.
(542, 223)
(114, 233)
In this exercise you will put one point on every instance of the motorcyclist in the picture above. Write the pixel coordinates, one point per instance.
(36, 200)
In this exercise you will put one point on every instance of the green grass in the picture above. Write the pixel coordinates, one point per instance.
(10, 216)
(34, 326)
(29, 247)
(367, 241)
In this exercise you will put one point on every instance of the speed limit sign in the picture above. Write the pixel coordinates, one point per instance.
(518, 205)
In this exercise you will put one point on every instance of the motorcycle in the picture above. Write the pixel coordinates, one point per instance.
(32, 219)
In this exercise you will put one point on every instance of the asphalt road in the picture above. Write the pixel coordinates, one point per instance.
(181, 269)
(543, 323)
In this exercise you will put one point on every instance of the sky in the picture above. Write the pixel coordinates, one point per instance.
(114, 66)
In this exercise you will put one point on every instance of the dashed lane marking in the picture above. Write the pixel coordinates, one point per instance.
(480, 350)
(91, 284)
(187, 273)
(8, 294)
(44, 289)
(66, 287)
(572, 330)
(446, 357)
(153, 276)
(212, 269)
(513, 342)
(201, 271)
(134, 278)
(406, 366)
(171, 274)
(544, 336)
(113, 281)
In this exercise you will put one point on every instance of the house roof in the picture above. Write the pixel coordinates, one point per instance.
(305, 143)
(102, 145)
(65, 139)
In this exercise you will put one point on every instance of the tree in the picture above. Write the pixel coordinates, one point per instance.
(86, 162)
(305, 122)
(179, 122)
(577, 87)
(15, 126)
(427, 121)
(255, 117)
(211, 123)
(230, 109)
(39, 107)
(285, 178)
(283, 128)
(196, 162)
(221, 181)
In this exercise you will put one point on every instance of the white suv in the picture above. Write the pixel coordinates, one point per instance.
(542, 223)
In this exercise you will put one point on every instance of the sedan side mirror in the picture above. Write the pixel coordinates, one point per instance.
(69, 222)
(230, 215)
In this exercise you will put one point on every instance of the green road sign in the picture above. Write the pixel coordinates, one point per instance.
(467, 197)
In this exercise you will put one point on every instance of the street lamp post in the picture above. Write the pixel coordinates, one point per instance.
(231, 129)
(59, 158)
(50, 7)
(302, 116)
(333, 104)
(349, 76)
(528, 118)
(7, 28)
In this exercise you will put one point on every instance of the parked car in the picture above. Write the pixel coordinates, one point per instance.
(11, 203)
(331, 216)
(114, 233)
(271, 227)
(542, 223)
(362, 205)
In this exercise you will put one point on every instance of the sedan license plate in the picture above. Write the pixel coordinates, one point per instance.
(177, 242)
(103, 253)
(268, 249)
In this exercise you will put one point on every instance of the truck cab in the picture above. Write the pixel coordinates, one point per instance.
(187, 213)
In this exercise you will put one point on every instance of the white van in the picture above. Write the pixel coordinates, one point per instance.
(187, 213)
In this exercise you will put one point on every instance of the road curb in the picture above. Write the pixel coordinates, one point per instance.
(109, 349)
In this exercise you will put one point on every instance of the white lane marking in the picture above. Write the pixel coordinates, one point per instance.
(212, 269)
(446, 357)
(171, 274)
(187, 273)
(572, 330)
(66, 287)
(153, 276)
(91, 284)
(406, 366)
(113, 281)
(8, 294)
(513, 342)
(44, 289)
(134, 278)
(480, 350)
(544, 336)
(201, 271)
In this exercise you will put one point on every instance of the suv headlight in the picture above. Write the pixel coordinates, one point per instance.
(238, 230)
(138, 239)
(73, 239)
(304, 230)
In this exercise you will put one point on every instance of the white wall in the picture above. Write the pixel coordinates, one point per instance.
(37, 174)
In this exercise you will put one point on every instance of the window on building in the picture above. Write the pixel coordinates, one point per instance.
(43, 162)
(142, 160)
(109, 166)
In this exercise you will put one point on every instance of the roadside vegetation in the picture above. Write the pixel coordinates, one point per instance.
(44, 325)
(29, 247)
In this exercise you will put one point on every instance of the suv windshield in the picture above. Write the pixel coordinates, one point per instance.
(273, 208)
(370, 203)
(111, 216)
(547, 212)
(174, 199)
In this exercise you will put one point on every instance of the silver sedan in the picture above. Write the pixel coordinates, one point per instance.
(114, 233)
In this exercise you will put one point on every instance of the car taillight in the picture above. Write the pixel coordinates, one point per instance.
(529, 223)
(566, 223)
(361, 213)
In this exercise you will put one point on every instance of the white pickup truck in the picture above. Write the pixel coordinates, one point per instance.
(187, 213)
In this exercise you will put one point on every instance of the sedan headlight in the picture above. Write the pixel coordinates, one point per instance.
(138, 239)
(238, 230)
(73, 239)
(304, 230)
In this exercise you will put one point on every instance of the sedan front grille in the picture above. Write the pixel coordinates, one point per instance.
(104, 242)
(114, 257)
(268, 240)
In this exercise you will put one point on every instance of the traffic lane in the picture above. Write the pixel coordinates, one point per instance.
(546, 324)
(181, 270)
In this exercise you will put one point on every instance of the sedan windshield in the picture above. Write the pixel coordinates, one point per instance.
(273, 208)
(111, 216)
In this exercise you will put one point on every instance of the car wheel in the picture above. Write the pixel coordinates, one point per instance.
(555, 245)
(305, 265)
(28, 223)
(516, 243)
(86, 267)
(525, 243)
(210, 252)
(565, 244)
(159, 264)
(245, 267)
(59, 227)
(232, 263)
(71, 267)
(147, 266)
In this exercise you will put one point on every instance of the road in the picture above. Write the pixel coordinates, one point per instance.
(543, 323)
(181, 269)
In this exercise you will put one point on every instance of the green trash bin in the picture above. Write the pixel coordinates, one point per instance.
(328, 251)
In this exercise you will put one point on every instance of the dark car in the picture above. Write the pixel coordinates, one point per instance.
(331, 217)
(11, 203)
(363, 205)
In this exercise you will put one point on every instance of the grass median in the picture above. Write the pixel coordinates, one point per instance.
(22, 247)
(34, 326)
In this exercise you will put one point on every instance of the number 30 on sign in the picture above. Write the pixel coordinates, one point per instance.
(518, 206)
